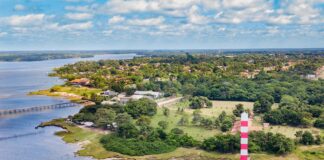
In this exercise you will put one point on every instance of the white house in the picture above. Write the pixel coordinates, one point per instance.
(110, 93)
(124, 100)
(149, 93)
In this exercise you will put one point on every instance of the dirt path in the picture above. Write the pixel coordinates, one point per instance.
(168, 101)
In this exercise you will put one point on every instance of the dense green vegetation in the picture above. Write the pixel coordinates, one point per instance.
(271, 79)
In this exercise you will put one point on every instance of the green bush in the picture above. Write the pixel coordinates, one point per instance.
(135, 147)
(319, 123)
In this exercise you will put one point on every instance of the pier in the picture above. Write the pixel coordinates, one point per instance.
(36, 109)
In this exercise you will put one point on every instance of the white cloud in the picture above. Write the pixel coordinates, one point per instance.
(194, 16)
(76, 26)
(2, 34)
(123, 6)
(240, 3)
(26, 20)
(281, 19)
(304, 11)
(85, 8)
(147, 22)
(107, 32)
(79, 1)
(19, 7)
(116, 19)
(79, 16)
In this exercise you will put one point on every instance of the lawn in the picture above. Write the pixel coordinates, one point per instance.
(198, 133)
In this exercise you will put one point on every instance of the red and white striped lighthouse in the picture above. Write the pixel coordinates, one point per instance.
(244, 136)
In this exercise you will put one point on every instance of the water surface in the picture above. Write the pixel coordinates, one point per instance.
(17, 79)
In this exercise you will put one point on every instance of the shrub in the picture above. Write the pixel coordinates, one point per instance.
(135, 147)
(163, 124)
(319, 123)
(177, 131)
(200, 102)
(181, 140)
(222, 143)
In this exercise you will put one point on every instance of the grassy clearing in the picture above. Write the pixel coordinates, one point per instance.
(198, 132)
(69, 92)
(290, 131)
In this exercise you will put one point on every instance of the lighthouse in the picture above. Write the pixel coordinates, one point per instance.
(244, 136)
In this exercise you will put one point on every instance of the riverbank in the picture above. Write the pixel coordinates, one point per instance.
(74, 94)
(89, 141)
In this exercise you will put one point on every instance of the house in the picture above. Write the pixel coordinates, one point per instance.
(149, 93)
(110, 93)
(310, 76)
(87, 124)
(108, 102)
(124, 100)
(81, 81)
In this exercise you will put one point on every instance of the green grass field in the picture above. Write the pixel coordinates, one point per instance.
(199, 133)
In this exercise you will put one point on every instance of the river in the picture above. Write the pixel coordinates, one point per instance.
(17, 79)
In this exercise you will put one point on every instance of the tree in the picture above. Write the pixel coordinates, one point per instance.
(130, 91)
(207, 123)
(238, 110)
(97, 98)
(143, 121)
(163, 124)
(289, 102)
(222, 116)
(127, 130)
(318, 140)
(226, 125)
(177, 131)
(270, 142)
(183, 121)
(166, 111)
(263, 103)
(200, 102)
(143, 106)
(123, 118)
(319, 123)
(104, 117)
(222, 143)
(196, 117)
(307, 138)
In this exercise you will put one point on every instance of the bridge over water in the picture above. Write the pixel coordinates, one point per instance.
(37, 108)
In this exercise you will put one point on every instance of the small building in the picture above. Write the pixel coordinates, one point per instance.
(81, 81)
(310, 76)
(108, 102)
(149, 93)
(124, 100)
(110, 93)
(87, 124)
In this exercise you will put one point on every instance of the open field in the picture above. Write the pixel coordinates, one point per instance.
(199, 133)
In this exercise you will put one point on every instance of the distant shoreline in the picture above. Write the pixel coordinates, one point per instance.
(26, 56)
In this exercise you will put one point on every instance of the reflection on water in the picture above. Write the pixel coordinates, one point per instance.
(16, 80)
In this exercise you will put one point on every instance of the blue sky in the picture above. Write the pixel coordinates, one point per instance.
(160, 24)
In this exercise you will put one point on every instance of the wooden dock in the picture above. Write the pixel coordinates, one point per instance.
(37, 108)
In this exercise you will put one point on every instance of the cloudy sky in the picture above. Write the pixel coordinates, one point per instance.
(160, 24)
